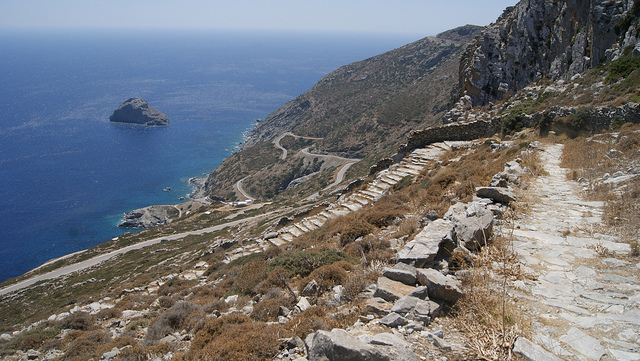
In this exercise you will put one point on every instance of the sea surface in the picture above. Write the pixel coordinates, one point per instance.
(67, 174)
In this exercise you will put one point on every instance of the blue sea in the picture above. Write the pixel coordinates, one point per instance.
(67, 174)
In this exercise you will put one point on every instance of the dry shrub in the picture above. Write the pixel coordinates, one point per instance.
(173, 319)
(78, 321)
(85, 346)
(235, 337)
(309, 321)
(356, 282)
(166, 302)
(383, 212)
(268, 310)
(108, 313)
(218, 304)
(327, 276)
(252, 275)
(202, 295)
(133, 353)
(370, 249)
(134, 302)
(351, 227)
(175, 286)
(31, 341)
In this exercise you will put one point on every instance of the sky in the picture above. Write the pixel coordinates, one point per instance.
(424, 17)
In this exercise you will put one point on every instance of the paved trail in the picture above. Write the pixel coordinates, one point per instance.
(99, 259)
(585, 304)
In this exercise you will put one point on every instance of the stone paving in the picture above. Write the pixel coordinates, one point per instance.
(585, 301)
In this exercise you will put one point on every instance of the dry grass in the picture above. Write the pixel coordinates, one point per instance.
(592, 158)
(485, 314)
(236, 337)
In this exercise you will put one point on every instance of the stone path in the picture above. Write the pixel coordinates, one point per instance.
(585, 301)
(411, 165)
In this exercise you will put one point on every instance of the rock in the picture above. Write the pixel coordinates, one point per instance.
(148, 217)
(303, 304)
(377, 306)
(310, 289)
(339, 345)
(423, 249)
(7, 337)
(497, 194)
(293, 342)
(138, 111)
(532, 352)
(405, 305)
(169, 339)
(231, 299)
(473, 224)
(389, 339)
(441, 343)
(33, 355)
(422, 292)
(425, 308)
(401, 272)
(391, 290)
(394, 320)
(440, 287)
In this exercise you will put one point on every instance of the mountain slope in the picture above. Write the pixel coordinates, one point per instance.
(361, 110)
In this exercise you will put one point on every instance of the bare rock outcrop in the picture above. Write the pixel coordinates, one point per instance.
(138, 111)
(543, 38)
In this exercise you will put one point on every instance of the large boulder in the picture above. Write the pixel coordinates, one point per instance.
(440, 287)
(390, 290)
(473, 224)
(401, 272)
(138, 111)
(424, 247)
(339, 345)
(497, 194)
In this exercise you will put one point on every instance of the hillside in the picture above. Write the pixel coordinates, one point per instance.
(508, 233)
(361, 110)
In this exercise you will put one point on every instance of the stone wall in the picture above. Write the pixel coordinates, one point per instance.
(451, 132)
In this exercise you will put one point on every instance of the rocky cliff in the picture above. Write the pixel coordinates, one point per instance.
(138, 111)
(537, 39)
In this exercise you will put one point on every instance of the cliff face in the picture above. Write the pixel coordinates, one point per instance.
(535, 39)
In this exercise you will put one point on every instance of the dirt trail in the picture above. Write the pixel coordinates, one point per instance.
(585, 301)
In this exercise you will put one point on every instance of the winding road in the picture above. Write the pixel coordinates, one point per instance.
(105, 257)
(276, 142)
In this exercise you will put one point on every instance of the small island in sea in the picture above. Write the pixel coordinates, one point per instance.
(138, 111)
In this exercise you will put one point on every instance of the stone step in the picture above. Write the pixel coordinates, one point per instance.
(361, 199)
(366, 193)
(410, 169)
(301, 227)
(295, 231)
(277, 242)
(317, 221)
(309, 225)
(393, 176)
(339, 212)
(352, 206)
(287, 237)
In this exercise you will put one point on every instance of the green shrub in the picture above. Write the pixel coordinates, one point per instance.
(303, 263)
(622, 67)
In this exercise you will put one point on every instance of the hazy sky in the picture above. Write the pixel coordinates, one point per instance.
(426, 17)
